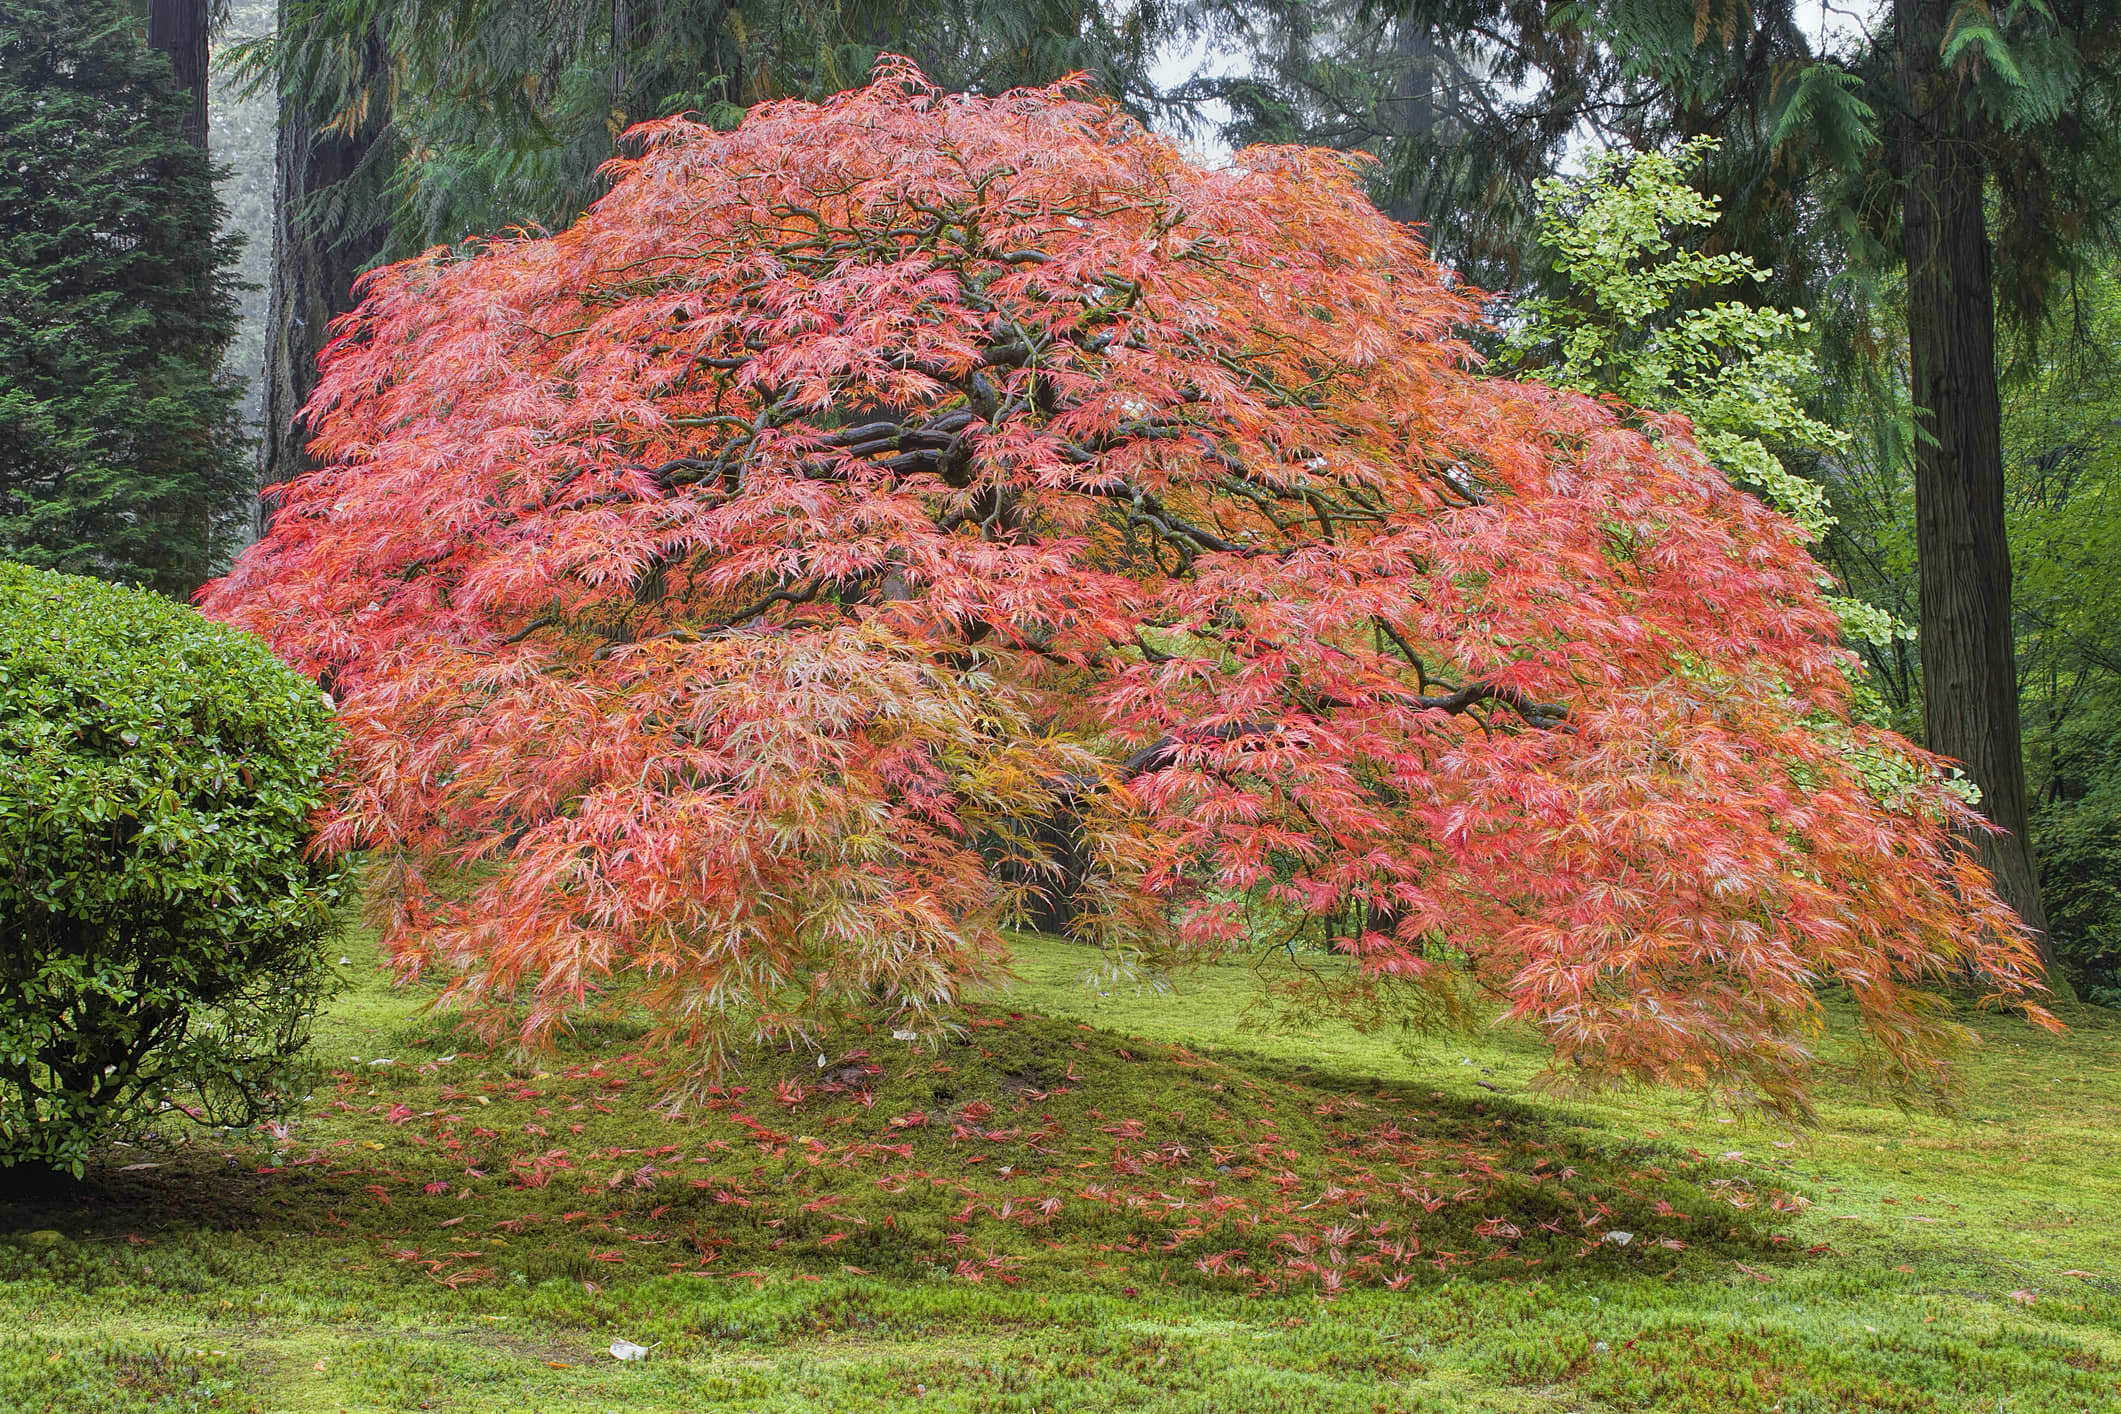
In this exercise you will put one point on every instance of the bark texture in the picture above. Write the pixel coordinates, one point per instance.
(324, 234)
(1969, 671)
(178, 28)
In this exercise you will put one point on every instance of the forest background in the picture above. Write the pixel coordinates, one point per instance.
(409, 125)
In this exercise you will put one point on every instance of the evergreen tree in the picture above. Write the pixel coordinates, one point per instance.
(329, 153)
(412, 123)
(1465, 104)
(1942, 135)
(119, 441)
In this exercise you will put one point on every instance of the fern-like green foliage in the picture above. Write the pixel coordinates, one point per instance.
(1637, 323)
(1812, 121)
(2063, 463)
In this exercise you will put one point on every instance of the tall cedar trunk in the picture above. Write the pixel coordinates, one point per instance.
(178, 28)
(1969, 675)
(323, 235)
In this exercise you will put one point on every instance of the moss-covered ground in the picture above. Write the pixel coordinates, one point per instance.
(1101, 1199)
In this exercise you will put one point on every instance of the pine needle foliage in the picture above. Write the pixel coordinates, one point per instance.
(120, 448)
(1465, 104)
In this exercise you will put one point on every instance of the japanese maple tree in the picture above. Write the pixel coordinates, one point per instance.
(727, 596)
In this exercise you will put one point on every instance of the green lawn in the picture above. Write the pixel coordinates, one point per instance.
(1113, 1200)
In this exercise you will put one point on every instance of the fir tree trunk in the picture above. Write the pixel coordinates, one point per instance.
(178, 28)
(1410, 105)
(323, 236)
(1969, 674)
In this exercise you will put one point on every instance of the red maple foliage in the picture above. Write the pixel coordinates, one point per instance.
(714, 591)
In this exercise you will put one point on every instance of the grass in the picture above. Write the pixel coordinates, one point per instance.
(1102, 1200)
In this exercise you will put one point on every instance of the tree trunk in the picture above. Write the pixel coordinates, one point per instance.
(1410, 109)
(1969, 676)
(178, 28)
(324, 234)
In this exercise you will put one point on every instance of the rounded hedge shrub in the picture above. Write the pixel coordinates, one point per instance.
(162, 925)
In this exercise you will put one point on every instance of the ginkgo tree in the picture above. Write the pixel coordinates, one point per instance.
(724, 596)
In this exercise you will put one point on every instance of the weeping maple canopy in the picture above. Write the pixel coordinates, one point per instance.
(737, 595)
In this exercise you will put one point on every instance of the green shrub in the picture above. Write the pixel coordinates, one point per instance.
(162, 928)
(2078, 844)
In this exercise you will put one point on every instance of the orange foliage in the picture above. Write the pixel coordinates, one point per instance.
(714, 589)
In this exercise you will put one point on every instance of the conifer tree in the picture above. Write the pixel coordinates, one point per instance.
(1465, 104)
(119, 441)
(412, 123)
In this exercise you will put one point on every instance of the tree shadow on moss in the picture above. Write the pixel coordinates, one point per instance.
(1028, 1151)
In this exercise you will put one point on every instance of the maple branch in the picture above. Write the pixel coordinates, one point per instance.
(701, 633)
(778, 596)
(1458, 479)
(1544, 715)
(1151, 654)
(666, 475)
(1173, 528)
(1145, 509)
(938, 435)
(1421, 669)
(1164, 750)
(1258, 495)
(543, 621)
